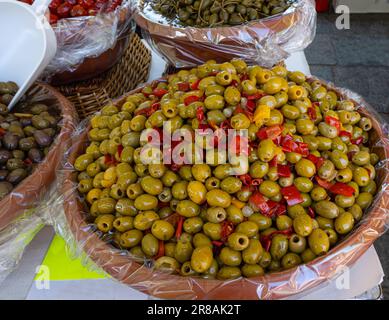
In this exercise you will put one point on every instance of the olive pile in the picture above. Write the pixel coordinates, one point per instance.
(26, 134)
(309, 175)
(208, 13)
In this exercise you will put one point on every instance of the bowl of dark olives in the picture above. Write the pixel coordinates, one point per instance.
(33, 137)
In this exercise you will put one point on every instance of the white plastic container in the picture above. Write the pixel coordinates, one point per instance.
(28, 43)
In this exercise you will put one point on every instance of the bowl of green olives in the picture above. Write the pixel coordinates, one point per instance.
(191, 32)
(33, 136)
(309, 195)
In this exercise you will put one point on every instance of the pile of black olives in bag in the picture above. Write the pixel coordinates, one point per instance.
(26, 134)
(208, 13)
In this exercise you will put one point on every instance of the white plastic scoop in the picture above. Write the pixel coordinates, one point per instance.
(28, 43)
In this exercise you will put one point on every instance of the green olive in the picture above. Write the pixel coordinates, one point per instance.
(201, 259)
(318, 242)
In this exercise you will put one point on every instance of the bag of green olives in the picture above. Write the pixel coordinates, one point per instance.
(303, 191)
(191, 32)
(33, 138)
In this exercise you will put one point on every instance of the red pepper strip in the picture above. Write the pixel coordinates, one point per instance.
(303, 148)
(357, 141)
(323, 183)
(256, 182)
(191, 99)
(225, 124)
(183, 86)
(255, 96)
(241, 145)
(217, 243)
(227, 229)
(120, 150)
(273, 132)
(200, 114)
(195, 85)
(246, 179)
(333, 122)
(248, 114)
(273, 162)
(344, 133)
(283, 171)
(311, 213)
(342, 189)
(266, 240)
(275, 209)
(266, 243)
(289, 146)
(149, 111)
(179, 227)
(27, 162)
(161, 250)
(158, 92)
(250, 106)
(312, 113)
(109, 159)
(259, 201)
(234, 83)
(318, 161)
(175, 167)
(244, 76)
(292, 195)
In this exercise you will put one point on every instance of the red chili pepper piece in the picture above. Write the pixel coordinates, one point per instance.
(179, 227)
(191, 99)
(2, 132)
(158, 92)
(256, 182)
(292, 195)
(27, 162)
(200, 114)
(175, 167)
(255, 96)
(217, 243)
(195, 85)
(225, 124)
(120, 150)
(318, 161)
(240, 144)
(311, 213)
(258, 200)
(244, 76)
(161, 250)
(183, 86)
(357, 141)
(283, 171)
(342, 189)
(333, 122)
(272, 132)
(303, 148)
(250, 106)
(351, 154)
(344, 133)
(266, 243)
(227, 229)
(312, 113)
(109, 159)
(234, 83)
(246, 179)
(275, 209)
(323, 183)
(273, 162)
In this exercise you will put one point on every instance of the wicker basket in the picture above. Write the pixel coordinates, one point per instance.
(91, 95)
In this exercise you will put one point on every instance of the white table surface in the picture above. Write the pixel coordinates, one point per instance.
(20, 284)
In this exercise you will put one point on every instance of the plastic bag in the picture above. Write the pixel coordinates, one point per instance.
(68, 214)
(264, 42)
(89, 37)
(19, 217)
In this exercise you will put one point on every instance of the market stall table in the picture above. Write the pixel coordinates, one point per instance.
(53, 275)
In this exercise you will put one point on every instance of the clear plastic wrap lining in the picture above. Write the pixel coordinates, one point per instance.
(264, 42)
(69, 215)
(20, 217)
(88, 37)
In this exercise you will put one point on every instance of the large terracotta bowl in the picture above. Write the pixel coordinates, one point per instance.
(278, 285)
(190, 46)
(92, 66)
(30, 191)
